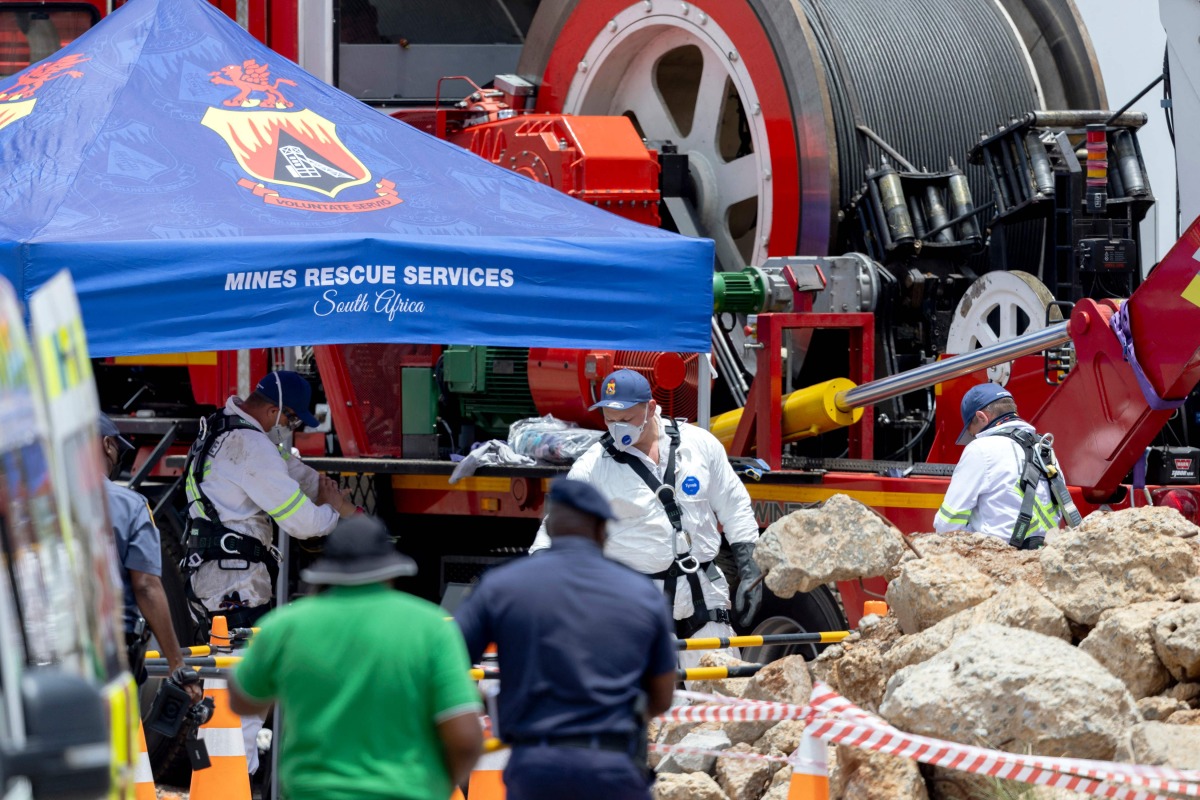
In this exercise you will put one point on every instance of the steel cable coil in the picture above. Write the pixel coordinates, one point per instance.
(923, 74)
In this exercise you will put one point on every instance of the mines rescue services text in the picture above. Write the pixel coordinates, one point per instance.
(378, 275)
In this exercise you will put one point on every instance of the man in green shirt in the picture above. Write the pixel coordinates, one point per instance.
(373, 682)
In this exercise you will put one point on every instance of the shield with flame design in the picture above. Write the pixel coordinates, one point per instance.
(11, 112)
(293, 148)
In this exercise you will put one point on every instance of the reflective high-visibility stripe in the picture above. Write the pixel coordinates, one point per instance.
(289, 507)
(949, 515)
(142, 773)
(223, 741)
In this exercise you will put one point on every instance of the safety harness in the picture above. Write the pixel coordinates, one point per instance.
(1040, 464)
(685, 565)
(207, 539)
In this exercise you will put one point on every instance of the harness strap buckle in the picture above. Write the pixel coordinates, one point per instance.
(225, 548)
(688, 564)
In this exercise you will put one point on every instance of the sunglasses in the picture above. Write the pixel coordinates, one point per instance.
(294, 423)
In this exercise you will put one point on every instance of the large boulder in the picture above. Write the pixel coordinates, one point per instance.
(930, 589)
(868, 775)
(730, 687)
(1188, 692)
(1177, 641)
(744, 778)
(855, 671)
(1004, 564)
(1163, 744)
(1122, 642)
(1117, 559)
(1016, 606)
(784, 681)
(669, 733)
(854, 668)
(696, 786)
(1016, 690)
(841, 540)
(780, 786)
(783, 737)
(708, 736)
(1159, 709)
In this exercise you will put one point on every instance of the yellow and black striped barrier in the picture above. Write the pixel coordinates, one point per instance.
(215, 662)
(720, 643)
(216, 667)
(690, 674)
(198, 650)
(161, 670)
(717, 673)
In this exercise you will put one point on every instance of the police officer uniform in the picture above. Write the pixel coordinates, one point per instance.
(138, 548)
(577, 636)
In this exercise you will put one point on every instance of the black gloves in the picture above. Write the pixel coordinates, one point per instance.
(750, 591)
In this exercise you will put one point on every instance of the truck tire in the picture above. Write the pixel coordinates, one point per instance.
(810, 612)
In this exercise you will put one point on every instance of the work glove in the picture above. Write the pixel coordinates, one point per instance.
(750, 591)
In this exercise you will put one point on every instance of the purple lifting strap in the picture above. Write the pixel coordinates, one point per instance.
(1120, 326)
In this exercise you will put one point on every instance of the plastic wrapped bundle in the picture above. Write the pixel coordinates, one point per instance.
(550, 440)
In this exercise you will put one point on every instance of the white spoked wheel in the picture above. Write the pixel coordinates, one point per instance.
(735, 85)
(998, 307)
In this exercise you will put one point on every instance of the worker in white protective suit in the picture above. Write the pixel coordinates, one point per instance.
(1007, 483)
(670, 485)
(242, 478)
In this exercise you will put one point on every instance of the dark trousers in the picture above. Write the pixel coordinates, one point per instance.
(135, 652)
(554, 773)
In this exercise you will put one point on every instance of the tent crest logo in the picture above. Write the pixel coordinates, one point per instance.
(17, 101)
(283, 147)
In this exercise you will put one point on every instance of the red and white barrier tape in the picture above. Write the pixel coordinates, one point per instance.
(834, 719)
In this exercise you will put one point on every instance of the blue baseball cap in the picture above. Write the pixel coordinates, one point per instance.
(109, 428)
(290, 390)
(976, 399)
(623, 389)
(581, 496)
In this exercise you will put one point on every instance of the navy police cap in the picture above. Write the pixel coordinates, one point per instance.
(581, 496)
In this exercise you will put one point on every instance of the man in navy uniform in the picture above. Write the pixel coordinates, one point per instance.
(586, 653)
(139, 548)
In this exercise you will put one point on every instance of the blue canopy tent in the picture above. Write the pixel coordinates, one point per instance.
(206, 193)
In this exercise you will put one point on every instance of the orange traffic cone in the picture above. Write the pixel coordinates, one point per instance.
(218, 633)
(810, 771)
(487, 781)
(879, 607)
(143, 776)
(228, 778)
(458, 795)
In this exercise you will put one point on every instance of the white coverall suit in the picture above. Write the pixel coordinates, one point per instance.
(709, 494)
(985, 494)
(251, 482)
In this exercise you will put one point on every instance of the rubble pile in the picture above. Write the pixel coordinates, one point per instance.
(1089, 648)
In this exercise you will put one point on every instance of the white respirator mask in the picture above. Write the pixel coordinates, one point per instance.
(281, 432)
(625, 434)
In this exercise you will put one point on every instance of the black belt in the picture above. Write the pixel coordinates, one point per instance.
(615, 742)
